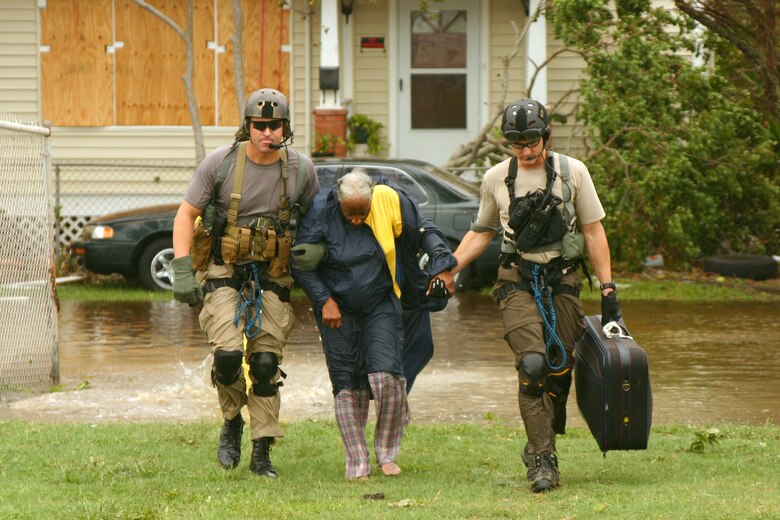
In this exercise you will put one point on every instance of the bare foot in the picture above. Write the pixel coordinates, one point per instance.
(391, 469)
(362, 478)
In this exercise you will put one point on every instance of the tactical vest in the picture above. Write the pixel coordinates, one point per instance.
(569, 240)
(263, 239)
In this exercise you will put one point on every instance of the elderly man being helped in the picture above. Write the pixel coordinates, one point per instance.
(356, 259)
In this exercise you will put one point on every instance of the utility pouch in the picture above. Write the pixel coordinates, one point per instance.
(280, 264)
(229, 249)
(573, 245)
(544, 227)
(269, 251)
(258, 245)
(201, 246)
(217, 231)
(521, 208)
(244, 241)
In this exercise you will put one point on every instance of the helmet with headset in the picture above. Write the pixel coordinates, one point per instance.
(525, 119)
(267, 103)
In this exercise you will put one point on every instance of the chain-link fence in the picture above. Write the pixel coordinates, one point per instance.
(86, 189)
(28, 305)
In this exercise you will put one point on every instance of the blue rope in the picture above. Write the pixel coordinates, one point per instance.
(550, 335)
(246, 305)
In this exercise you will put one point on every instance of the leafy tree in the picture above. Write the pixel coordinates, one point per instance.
(745, 38)
(684, 166)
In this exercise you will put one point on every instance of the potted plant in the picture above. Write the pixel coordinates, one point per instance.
(368, 131)
(325, 145)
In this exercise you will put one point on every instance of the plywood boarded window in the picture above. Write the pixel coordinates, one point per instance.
(110, 62)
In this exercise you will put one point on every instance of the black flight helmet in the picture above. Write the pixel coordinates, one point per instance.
(524, 120)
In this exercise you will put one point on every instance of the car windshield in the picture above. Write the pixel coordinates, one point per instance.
(394, 175)
(462, 188)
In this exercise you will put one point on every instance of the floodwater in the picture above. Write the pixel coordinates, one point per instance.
(709, 363)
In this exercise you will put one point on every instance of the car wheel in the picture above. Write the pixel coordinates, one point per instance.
(154, 266)
(755, 267)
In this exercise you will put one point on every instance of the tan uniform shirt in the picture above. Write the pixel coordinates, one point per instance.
(494, 197)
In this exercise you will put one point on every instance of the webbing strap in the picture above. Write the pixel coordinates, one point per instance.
(238, 181)
(223, 169)
(566, 191)
(283, 155)
(525, 286)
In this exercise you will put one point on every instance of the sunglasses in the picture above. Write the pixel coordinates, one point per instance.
(529, 144)
(275, 124)
(515, 135)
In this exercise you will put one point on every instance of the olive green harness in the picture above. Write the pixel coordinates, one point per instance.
(263, 239)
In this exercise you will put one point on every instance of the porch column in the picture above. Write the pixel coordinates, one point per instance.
(330, 117)
(536, 53)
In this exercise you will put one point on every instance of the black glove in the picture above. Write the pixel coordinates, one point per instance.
(186, 288)
(438, 289)
(610, 308)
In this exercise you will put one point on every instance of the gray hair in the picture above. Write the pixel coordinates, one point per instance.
(355, 185)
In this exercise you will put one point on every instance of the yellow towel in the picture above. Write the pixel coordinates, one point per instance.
(386, 223)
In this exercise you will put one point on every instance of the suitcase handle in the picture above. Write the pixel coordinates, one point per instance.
(609, 331)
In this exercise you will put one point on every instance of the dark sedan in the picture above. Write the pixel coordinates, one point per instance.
(137, 243)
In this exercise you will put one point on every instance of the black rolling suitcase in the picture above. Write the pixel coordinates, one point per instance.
(612, 380)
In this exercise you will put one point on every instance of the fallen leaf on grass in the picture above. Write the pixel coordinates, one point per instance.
(406, 502)
(374, 496)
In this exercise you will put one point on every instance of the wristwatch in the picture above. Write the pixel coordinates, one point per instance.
(608, 285)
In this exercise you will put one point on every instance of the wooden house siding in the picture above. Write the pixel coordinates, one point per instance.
(304, 98)
(371, 80)
(131, 131)
(19, 60)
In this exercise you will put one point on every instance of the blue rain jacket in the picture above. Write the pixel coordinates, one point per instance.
(356, 275)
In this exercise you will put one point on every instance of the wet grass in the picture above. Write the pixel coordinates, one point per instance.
(156, 471)
(690, 290)
(672, 287)
(109, 288)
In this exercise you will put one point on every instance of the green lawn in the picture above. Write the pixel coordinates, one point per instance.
(156, 471)
(678, 288)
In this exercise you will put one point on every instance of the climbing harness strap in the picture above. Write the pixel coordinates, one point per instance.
(249, 304)
(541, 293)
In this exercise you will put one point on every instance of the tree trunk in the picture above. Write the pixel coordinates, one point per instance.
(189, 71)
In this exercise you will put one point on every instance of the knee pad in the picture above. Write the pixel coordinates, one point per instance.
(262, 368)
(557, 384)
(557, 387)
(227, 367)
(532, 371)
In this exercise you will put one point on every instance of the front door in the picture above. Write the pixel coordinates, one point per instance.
(438, 83)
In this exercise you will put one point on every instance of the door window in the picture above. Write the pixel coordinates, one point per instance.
(438, 41)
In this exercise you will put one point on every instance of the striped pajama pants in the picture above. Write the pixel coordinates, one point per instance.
(392, 416)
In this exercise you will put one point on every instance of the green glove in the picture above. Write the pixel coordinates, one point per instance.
(186, 288)
(307, 257)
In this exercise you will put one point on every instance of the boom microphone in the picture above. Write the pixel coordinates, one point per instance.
(274, 146)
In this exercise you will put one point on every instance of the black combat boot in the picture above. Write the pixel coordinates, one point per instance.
(229, 451)
(545, 476)
(530, 465)
(261, 457)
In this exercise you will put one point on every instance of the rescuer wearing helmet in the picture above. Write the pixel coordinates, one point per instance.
(550, 214)
(231, 237)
